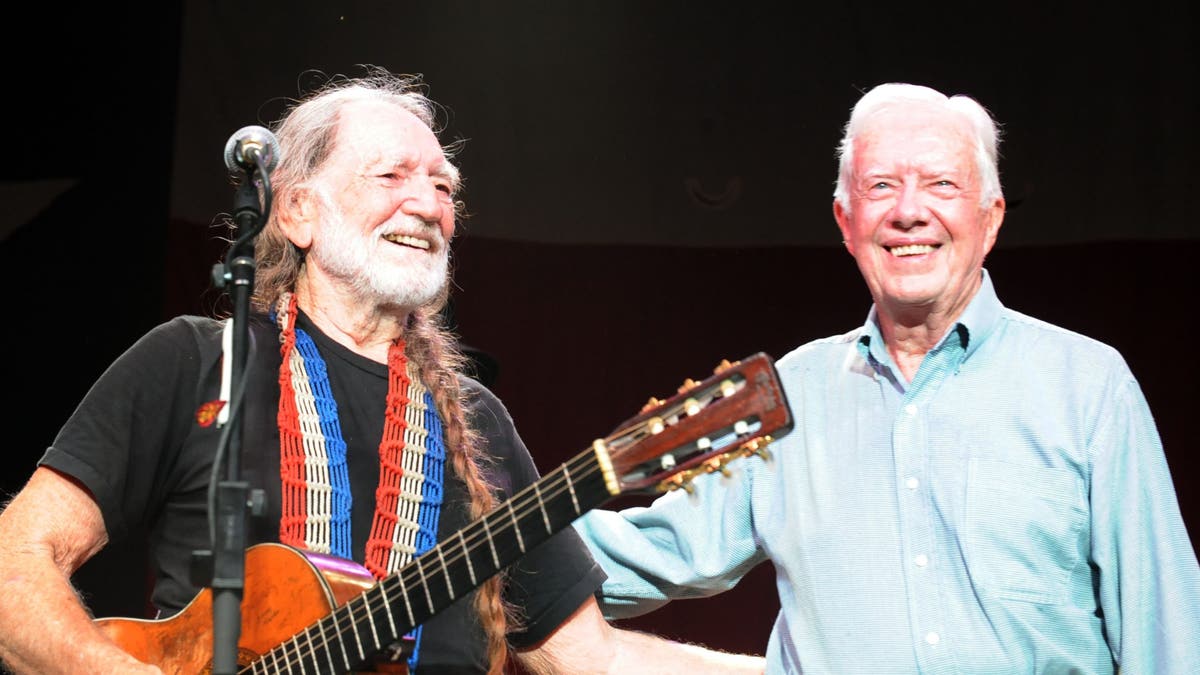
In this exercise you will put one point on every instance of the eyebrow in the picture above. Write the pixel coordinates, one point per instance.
(954, 172)
(444, 169)
(449, 172)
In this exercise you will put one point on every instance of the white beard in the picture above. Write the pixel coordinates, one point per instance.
(348, 255)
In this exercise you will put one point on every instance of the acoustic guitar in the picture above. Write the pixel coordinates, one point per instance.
(313, 613)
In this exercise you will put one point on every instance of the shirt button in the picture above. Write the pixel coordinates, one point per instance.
(921, 560)
(911, 483)
(932, 638)
(911, 409)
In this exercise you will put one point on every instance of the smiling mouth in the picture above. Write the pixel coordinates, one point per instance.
(911, 249)
(406, 240)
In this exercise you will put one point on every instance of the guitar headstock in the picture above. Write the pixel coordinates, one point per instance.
(735, 412)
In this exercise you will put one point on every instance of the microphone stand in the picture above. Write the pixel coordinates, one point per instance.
(225, 564)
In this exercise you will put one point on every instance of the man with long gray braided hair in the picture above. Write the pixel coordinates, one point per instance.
(368, 442)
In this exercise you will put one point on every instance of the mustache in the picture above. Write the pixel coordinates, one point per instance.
(402, 224)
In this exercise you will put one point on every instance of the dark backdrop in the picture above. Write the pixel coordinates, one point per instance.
(648, 183)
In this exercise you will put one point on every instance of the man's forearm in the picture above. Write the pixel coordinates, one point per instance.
(45, 630)
(645, 653)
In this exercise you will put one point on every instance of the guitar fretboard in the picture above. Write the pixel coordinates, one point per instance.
(354, 632)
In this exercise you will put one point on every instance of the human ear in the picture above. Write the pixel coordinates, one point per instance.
(297, 216)
(843, 221)
(993, 218)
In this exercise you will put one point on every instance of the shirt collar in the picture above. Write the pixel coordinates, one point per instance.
(981, 316)
(976, 323)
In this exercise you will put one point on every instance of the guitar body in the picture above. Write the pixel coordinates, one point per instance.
(285, 591)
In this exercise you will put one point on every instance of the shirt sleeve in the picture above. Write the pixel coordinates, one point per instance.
(1149, 586)
(681, 546)
(116, 439)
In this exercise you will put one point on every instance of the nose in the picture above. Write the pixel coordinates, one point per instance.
(423, 200)
(909, 210)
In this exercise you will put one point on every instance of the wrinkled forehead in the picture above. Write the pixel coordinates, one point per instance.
(381, 133)
(918, 132)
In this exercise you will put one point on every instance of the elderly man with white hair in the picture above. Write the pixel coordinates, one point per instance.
(968, 489)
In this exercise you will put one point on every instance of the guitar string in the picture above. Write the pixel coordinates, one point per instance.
(527, 501)
(585, 468)
(530, 499)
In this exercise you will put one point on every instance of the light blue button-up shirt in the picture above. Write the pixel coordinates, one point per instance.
(1008, 511)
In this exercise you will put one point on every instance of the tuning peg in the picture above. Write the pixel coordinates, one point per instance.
(724, 365)
(728, 388)
(719, 464)
(677, 483)
(651, 404)
(691, 406)
(688, 384)
(757, 446)
(655, 424)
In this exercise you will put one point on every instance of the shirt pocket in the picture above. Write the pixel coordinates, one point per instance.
(1023, 525)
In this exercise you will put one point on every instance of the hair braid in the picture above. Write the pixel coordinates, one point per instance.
(432, 347)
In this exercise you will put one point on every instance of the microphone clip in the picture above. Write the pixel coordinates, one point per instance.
(252, 149)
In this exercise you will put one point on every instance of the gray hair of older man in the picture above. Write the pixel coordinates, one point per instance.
(984, 129)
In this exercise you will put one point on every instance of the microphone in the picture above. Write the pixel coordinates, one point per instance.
(251, 148)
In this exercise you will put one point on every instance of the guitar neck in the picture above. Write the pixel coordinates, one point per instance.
(352, 633)
(705, 425)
